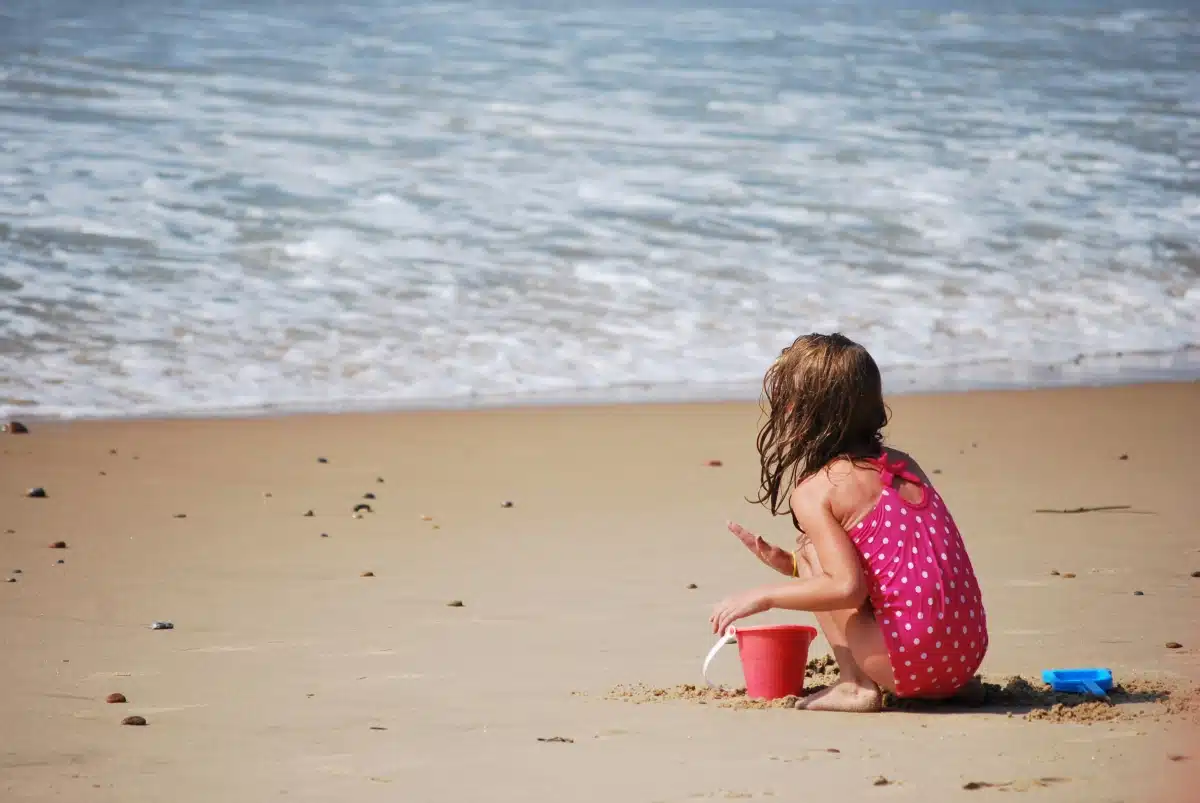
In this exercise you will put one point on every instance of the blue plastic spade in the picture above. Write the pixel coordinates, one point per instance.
(1096, 682)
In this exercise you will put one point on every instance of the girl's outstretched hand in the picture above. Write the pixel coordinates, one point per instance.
(739, 606)
(778, 559)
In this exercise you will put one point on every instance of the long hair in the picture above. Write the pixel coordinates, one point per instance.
(824, 401)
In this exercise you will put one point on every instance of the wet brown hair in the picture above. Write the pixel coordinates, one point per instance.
(824, 401)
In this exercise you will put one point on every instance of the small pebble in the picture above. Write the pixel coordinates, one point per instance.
(11, 580)
(356, 515)
(16, 428)
(112, 451)
(1194, 574)
(1174, 645)
(181, 515)
(714, 464)
(881, 781)
(426, 518)
(558, 739)
(266, 494)
(937, 471)
(59, 562)
(454, 603)
(378, 728)
(506, 504)
(309, 514)
(1138, 594)
(324, 535)
(1068, 575)
(1123, 457)
(379, 480)
(162, 626)
(36, 493)
(362, 507)
(1054, 572)
(322, 460)
(367, 574)
(59, 545)
(115, 697)
(134, 720)
(103, 473)
(16, 571)
(11, 531)
(692, 586)
(368, 496)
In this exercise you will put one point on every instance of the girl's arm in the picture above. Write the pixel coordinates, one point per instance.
(841, 583)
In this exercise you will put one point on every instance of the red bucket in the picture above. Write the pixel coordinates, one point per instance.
(773, 658)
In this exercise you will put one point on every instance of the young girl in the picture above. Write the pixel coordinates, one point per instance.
(879, 559)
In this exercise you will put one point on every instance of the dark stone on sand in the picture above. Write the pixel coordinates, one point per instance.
(937, 471)
(309, 513)
(1054, 572)
(115, 697)
(266, 494)
(714, 464)
(556, 739)
(692, 586)
(103, 473)
(59, 562)
(324, 535)
(134, 720)
(361, 507)
(16, 428)
(322, 460)
(1174, 645)
(58, 545)
(378, 728)
(367, 574)
(11, 580)
(36, 493)
(506, 503)
(181, 515)
(368, 496)
(881, 781)
(1138, 594)
(1068, 575)
(16, 571)
(379, 480)
(112, 451)
(1194, 574)
(11, 531)
(454, 603)
(1123, 457)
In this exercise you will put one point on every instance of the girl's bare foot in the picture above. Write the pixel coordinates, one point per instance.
(845, 696)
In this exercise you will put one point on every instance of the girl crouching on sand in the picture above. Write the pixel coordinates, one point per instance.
(879, 559)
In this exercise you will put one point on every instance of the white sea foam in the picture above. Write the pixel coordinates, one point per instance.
(217, 209)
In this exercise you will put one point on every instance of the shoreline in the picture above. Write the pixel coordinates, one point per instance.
(1114, 370)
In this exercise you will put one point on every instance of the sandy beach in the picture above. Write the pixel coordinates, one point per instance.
(290, 675)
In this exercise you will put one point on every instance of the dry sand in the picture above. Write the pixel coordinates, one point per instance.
(289, 674)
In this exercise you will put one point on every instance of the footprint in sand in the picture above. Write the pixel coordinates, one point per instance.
(222, 648)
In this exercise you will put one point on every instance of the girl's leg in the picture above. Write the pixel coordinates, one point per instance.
(858, 647)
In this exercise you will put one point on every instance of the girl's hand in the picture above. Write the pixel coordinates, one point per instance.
(778, 559)
(739, 606)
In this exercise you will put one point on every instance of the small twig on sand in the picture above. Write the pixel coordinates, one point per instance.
(1098, 509)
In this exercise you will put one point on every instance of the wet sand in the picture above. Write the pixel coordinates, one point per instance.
(290, 674)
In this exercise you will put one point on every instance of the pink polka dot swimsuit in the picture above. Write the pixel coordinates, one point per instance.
(922, 587)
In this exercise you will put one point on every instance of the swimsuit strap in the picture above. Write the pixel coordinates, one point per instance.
(889, 471)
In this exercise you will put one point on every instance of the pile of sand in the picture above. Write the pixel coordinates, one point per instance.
(1034, 700)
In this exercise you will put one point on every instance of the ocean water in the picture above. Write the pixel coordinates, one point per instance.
(217, 206)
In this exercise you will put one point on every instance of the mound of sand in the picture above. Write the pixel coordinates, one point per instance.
(1034, 700)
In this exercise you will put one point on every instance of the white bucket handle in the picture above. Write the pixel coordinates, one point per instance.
(729, 638)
